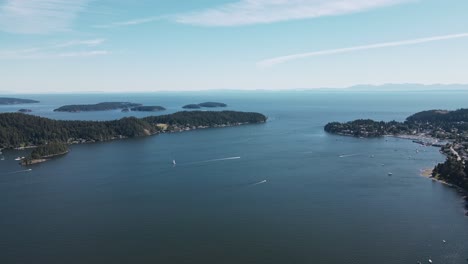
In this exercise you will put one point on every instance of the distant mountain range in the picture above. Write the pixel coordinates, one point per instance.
(13, 101)
(408, 87)
(403, 87)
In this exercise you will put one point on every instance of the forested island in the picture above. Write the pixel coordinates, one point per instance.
(191, 106)
(13, 101)
(212, 104)
(23, 110)
(442, 128)
(206, 104)
(96, 107)
(155, 108)
(21, 130)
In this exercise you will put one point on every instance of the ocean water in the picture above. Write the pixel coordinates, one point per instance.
(277, 192)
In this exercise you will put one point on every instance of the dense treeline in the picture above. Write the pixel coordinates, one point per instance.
(51, 149)
(452, 171)
(44, 152)
(207, 118)
(148, 108)
(18, 129)
(440, 116)
(24, 130)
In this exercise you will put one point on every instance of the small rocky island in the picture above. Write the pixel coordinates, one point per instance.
(105, 106)
(19, 130)
(441, 128)
(155, 108)
(23, 110)
(206, 104)
(14, 101)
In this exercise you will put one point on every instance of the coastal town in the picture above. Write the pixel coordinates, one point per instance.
(445, 129)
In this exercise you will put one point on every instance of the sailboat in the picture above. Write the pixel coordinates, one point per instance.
(173, 162)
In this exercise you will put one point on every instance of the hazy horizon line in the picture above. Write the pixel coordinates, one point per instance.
(357, 87)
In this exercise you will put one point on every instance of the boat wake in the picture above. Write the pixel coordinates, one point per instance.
(15, 172)
(213, 160)
(230, 158)
(349, 155)
(257, 183)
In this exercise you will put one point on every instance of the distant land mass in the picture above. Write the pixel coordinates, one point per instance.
(13, 101)
(23, 110)
(19, 130)
(212, 104)
(427, 128)
(192, 106)
(206, 104)
(148, 108)
(96, 107)
(408, 87)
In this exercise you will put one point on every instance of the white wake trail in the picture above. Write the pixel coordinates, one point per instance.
(21, 171)
(214, 160)
(257, 183)
(349, 155)
(230, 158)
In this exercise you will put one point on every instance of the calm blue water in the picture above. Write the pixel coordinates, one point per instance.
(124, 202)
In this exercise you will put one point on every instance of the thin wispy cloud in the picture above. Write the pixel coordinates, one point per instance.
(87, 42)
(39, 16)
(90, 53)
(132, 22)
(282, 59)
(58, 50)
(246, 12)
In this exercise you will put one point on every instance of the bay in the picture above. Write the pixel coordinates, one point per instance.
(270, 193)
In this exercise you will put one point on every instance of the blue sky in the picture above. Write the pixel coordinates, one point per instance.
(123, 45)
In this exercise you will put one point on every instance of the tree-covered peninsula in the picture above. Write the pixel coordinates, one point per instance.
(21, 130)
(45, 152)
(105, 106)
(13, 101)
(448, 126)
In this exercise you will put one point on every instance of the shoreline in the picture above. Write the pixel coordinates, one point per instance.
(422, 139)
(42, 159)
(175, 129)
(427, 141)
(167, 130)
(427, 173)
